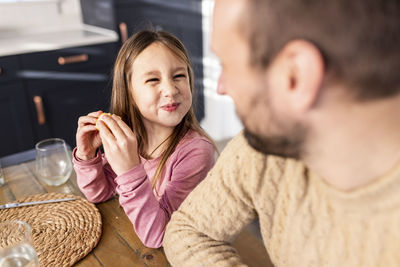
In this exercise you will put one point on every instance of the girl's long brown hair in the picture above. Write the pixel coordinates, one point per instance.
(124, 105)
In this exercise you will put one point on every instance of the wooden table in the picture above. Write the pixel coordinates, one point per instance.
(119, 245)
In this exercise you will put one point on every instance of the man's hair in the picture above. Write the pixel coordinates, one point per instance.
(358, 39)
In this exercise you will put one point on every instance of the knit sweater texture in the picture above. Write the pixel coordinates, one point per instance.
(303, 220)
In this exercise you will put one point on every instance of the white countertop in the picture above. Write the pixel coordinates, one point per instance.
(21, 42)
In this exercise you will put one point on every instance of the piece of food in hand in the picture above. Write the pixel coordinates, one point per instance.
(99, 118)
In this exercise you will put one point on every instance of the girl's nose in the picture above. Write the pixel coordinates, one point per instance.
(169, 89)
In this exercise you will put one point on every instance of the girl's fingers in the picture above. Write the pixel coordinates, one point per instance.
(95, 114)
(105, 133)
(90, 118)
(106, 145)
(86, 120)
(125, 128)
(114, 127)
(87, 128)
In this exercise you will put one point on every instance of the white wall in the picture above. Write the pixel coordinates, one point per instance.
(221, 121)
(31, 16)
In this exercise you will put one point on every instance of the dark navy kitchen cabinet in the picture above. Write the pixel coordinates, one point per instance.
(57, 105)
(15, 126)
(43, 94)
(15, 130)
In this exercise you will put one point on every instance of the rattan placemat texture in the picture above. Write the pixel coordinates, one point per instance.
(63, 232)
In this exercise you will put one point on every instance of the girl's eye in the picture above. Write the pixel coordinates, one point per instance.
(178, 76)
(152, 80)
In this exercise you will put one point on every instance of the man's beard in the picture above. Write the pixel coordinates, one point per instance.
(281, 136)
(284, 146)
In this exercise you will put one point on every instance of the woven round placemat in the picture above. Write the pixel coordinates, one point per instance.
(63, 232)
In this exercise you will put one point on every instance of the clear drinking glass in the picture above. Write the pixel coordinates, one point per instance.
(16, 248)
(53, 161)
(2, 181)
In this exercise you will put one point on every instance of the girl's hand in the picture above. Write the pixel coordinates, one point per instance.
(119, 143)
(87, 136)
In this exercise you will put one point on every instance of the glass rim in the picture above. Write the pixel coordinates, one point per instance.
(23, 223)
(53, 140)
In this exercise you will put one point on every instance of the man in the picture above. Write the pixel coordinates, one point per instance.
(317, 87)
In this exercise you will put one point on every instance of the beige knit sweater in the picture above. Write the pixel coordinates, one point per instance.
(303, 221)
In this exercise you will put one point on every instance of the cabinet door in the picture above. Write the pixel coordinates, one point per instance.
(15, 129)
(57, 105)
(65, 84)
(183, 20)
(9, 67)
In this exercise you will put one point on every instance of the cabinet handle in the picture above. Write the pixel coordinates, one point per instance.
(1, 71)
(124, 31)
(39, 109)
(73, 59)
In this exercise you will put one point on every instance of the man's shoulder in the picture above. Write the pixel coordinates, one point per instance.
(238, 144)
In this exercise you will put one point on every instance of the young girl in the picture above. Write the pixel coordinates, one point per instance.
(155, 152)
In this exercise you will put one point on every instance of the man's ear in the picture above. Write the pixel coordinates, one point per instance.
(304, 69)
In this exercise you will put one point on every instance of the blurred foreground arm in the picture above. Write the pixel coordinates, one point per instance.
(201, 231)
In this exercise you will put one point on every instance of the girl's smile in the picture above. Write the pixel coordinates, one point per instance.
(170, 107)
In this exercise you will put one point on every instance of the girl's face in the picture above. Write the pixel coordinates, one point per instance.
(160, 86)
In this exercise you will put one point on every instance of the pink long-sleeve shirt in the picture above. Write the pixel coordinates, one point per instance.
(149, 210)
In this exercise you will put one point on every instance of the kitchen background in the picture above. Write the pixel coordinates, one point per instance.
(56, 57)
